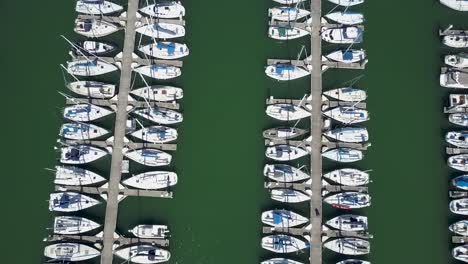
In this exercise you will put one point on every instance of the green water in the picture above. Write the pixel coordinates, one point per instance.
(214, 217)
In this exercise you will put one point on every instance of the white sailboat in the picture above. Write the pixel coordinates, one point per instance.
(456, 41)
(289, 196)
(460, 119)
(457, 138)
(159, 72)
(97, 7)
(283, 218)
(347, 56)
(452, 78)
(461, 253)
(286, 32)
(347, 94)
(349, 246)
(348, 177)
(460, 228)
(457, 61)
(280, 261)
(288, 2)
(283, 243)
(94, 28)
(143, 254)
(458, 162)
(459, 206)
(346, 17)
(344, 155)
(93, 67)
(161, 93)
(348, 134)
(347, 3)
(349, 200)
(73, 225)
(162, 30)
(160, 115)
(459, 5)
(92, 89)
(285, 152)
(165, 9)
(285, 72)
(286, 112)
(352, 223)
(284, 173)
(165, 50)
(348, 115)
(283, 133)
(92, 47)
(76, 176)
(80, 154)
(156, 134)
(344, 35)
(150, 231)
(152, 180)
(70, 252)
(287, 13)
(82, 131)
(70, 202)
(85, 112)
(148, 156)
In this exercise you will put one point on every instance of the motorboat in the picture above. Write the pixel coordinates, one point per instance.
(280, 261)
(459, 5)
(91, 47)
(164, 9)
(85, 112)
(347, 115)
(143, 254)
(283, 133)
(347, 94)
(150, 231)
(283, 243)
(94, 28)
(159, 72)
(92, 89)
(459, 206)
(161, 93)
(349, 222)
(93, 67)
(76, 176)
(348, 177)
(349, 246)
(346, 17)
(348, 134)
(344, 155)
(97, 7)
(156, 134)
(460, 119)
(344, 35)
(70, 202)
(289, 196)
(347, 3)
(285, 152)
(162, 30)
(353, 261)
(82, 131)
(349, 200)
(285, 72)
(165, 50)
(286, 32)
(286, 13)
(347, 56)
(452, 78)
(456, 40)
(152, 180)
(283, 218)
(284, 173)
(457, 61)
(458, 162)
(461, 182)
(457, 138)
(460, 228)
(286, 112)
(461, 253)
(148, 156)
(160, 115)
(70, 252)
(73, 225)
(80, 154)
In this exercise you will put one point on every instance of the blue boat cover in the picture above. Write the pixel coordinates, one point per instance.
(283, 67)
(170, 47)
(462, 181)
(348, 55)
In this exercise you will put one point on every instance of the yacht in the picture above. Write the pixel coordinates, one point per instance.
(88, 68)
(156, 134)
(94, 28)
(348, 177)
(283, 218)
(347, 56)
(458, 162)
(80, 154)
(348, 134)
(162, 30)
(289, 196)
(97, 7)
(349, 200)
(461, 253)
(460, 119)
(285, 152)
(160, 115)
(148, 156)
(286, 32)
(143, 254)
(73, 225)
(82, 131)
(347, 94)
(159, 72)
(70, 252)
(286, 13)
(457, 138)
(85, 112)
(349, 222)
(460, 228)
(459, 206)
(457, 61)
(70, 202)
(152, 180)
(286, 112)
(164, 9)
(150, 231)
(280, 261)
(285, 72)
(461, 182)
(344, 35)
(161, 93)
(349, 246)
(76, 176)
(346, 17)
(92, 89)
(283, 133)
(453, 78)
(456, 40)
(96, 48)
(284, 173)
(165, 50)
(347, 115)
(344, 155)
(347, 3)
(283, 243)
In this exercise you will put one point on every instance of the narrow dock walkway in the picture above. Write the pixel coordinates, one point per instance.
(112, 103)
(121, 241)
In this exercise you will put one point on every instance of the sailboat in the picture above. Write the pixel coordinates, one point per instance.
(457, 61)
(460, 228)
(285, 152)
(90, 67)
(149, 156)
(80, 154)
(283, 133)
(289, 196)
(347, 3)
(283, 243)
(353, 261)
(97, 7)
(283, 218)
(76, 176)
(73, 225)
(349, 222)
(70, 252)
(285, 72)
(346, 17)
(286, 13)
(458, 162)
(459, 206)
(165, 50)
(156, 134)
(347, 56)
(461, 253)
(456, 41)
(348, 115)
(452, 78)
(348, 94)
(284, 173)
(161, 93)
(82, 131)
(349, 246)
(348, 177)
(280, 261)
(344, 155)
(286, 32)
(91, 47)
(159, 72)
(150, 231)
(348, 134)
(349, 200)
(160, 115)
(288, 2)
(94, 28)
(457, 138)
(286, 112)
(165, 9)
(344, 35)
(152, 180)
(162, 30)
(92, 89)
(85, 112)
(461, 182)
(459, 5)
(460, 119)
(70, 202)
(143, 254)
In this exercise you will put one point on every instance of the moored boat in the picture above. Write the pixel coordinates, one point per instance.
(286, 112)
(459, 5)
(349, 200)
(461, 182)
(347, 94)
(285, 152)
(159, 72)
(92, 89)
(348, 177)
(349, 246)
(165, 50)
(162, 93)
(453, 78)
(160, 115)
(148, 156)
(85, 112)
(80, 154)
(348, 115)
(344, 155)
(283, 218)
(92, 47)
(460, 228)
(353, 223)
(82, 131)
(70, 202)
(459, 206)
(282, 133)
(150, 231)
(280, 261)
(152, 180)
(456, 40)
(284, 173)
(285, 72)
(348, 134)
(156, 134)
(353, 261)
(461, 253)
(70, 252)
(289, 196)
(286, 13)
(94, 28)
(90, 67)
(72, 225)
(164, 9)
(97, 7)
(457, 61)
(347, 56)
(460, 119)
(286, 32)
(344, 35)
(346, 17)
(347, 3)
(283, 243)
(143, 254)
(76, 176)
(457, 138)
(458, 162)
(162, 30)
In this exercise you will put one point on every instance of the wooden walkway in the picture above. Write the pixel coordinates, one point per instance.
(121, 241)
(138, 18)
(125, 191)
(127, 143)
(144, 62)
(112, 103)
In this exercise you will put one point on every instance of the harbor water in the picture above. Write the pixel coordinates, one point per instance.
(215, 214)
